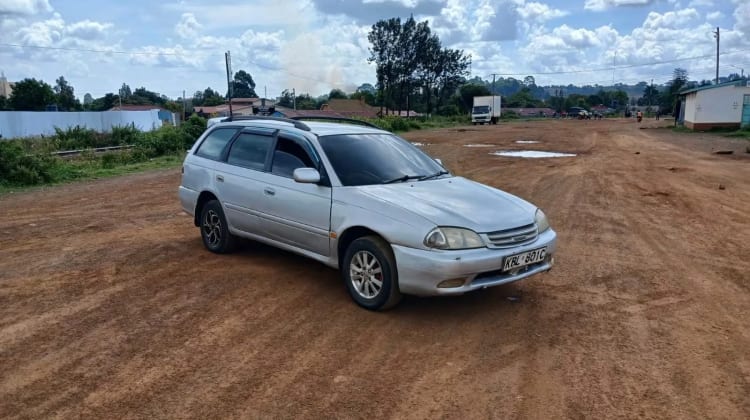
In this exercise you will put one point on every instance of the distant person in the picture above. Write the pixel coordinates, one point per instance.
(657, 115)
(639, 116)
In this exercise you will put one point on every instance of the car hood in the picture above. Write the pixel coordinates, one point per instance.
(457, 202)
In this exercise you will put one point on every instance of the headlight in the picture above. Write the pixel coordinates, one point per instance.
(541, 221)
(453, 238)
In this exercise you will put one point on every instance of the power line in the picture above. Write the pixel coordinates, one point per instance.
(99, 51)
(627, 66)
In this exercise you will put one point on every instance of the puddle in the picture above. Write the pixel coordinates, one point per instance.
(480, 145)
(418, 144)
(530, 154)
(527, 141)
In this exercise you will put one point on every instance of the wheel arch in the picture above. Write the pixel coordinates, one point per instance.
(203, 198)
(351, 234)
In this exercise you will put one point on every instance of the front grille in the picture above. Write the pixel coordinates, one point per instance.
(512, 237)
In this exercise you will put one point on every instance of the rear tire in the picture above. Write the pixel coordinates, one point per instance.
(214, 229)
(369, 272)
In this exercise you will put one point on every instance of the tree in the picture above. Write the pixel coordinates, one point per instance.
(65, 96)
(211, 97)
(529, 81)
(4, 104)
(125, 91)
(143, 96)
(523, 99)
(411, 65)
(88, 99)
(31, 95)
(467, 94)
(668, 99)
(243, 85)
(286, 99)
(367, 87)
(105, 103)
(337, 94)
(305, 101)
(368, 97)
(197, 99)
(650, 95)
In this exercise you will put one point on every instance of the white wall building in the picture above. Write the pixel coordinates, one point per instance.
(724, 105)
(6, 88)
(14, 124)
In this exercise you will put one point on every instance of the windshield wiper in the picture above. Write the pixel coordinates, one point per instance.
(402, 179)
(435, 175)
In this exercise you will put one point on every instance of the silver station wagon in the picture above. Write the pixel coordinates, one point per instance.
(392, 219)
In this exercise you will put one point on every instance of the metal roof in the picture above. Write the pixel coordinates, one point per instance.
(739, 82)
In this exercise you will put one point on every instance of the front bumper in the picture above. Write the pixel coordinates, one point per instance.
(420, 271)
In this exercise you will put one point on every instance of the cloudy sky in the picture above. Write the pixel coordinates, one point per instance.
(316, 45)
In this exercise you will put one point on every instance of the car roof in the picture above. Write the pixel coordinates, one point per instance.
(318, 128)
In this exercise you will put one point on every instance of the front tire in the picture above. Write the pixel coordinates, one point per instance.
(214, 229)
(370, 275)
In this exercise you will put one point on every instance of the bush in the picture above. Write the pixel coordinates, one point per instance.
(74, 138)
(193, 127)
(509, 115)
(165, 140)
(18, 167)
(124, 136)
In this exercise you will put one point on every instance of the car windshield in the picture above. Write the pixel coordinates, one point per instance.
(481, 109)
(367, 159)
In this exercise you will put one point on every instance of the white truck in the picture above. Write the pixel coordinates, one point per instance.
(486, 109)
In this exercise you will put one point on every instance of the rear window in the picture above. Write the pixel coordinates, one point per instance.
(250, 151)
(215, 143)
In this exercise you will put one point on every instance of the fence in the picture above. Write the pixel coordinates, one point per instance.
(15, 124)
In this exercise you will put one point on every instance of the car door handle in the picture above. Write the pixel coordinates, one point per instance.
(219, 178)
(269, 191)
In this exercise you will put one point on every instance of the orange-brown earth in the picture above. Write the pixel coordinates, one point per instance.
(111, 308)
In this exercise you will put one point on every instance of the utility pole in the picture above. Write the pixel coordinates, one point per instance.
(614, 61)
(230, 85)
(716, 34)
(183, 105)
(294, 99)
(650, 93)
(493, 82)
(493, 94)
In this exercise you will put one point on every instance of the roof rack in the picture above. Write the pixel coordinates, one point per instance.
(297, 124)
(340, 119)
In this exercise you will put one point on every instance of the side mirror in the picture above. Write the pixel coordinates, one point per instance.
(306, 175)
(440, 162)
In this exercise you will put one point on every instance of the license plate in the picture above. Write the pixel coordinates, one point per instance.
(524, 258)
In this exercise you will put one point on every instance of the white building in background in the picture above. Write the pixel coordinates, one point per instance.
(726, 105)
(6, 88)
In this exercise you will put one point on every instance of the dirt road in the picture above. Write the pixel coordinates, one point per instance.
(111, 308)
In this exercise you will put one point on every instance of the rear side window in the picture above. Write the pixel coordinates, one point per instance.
(250, 151)
(214, 144)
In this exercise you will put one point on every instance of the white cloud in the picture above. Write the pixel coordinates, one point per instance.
(676, 19)
(188, 26)
(540, 12)
(88, 30)
(715, 15)
(701, 3)
(24, 7)
(577, 38)
(601, 5)
(742, 18)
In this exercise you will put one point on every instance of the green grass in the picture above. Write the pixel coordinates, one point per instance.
(88, 169)
(742, 133)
